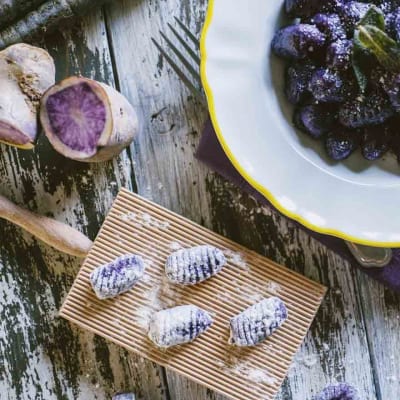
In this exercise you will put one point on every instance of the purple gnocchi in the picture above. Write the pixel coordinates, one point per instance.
(117, 277)
(363, 111)
(345, 94)
(178, 325)
(352, 12)
(306, 8)
(315, 119)
(390, 83)
(339, 55)
(297, 41)
(341, 144)
(340, 391)
(194, 265)
(376, 141)
(395, 24)
(298, 77)
(257, 322)
(328, 86)
(331, 25)
(124, 396)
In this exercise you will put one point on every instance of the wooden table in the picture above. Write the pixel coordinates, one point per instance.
(356, 336)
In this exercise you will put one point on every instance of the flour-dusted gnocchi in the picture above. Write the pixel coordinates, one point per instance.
(194, 265)
(257, 322)
(118, 276)
(124, 396)
(178, 325)
(338, 391)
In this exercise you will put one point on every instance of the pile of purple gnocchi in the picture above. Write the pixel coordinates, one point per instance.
(343, 73)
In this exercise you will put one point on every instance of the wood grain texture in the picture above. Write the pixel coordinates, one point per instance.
(356, 332)
(42, 356)
(167, 172)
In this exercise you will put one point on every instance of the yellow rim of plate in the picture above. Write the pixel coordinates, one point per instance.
(263, 190)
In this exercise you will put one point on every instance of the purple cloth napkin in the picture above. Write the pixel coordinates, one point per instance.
(211, 153)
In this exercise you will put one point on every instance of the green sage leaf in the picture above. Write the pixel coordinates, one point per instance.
(385, 49)
(374, 17)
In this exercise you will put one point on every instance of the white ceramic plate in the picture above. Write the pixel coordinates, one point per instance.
(356, 200)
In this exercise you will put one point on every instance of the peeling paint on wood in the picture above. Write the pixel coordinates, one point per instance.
(356, 333)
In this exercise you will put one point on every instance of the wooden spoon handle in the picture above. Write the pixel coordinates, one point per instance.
(55, 233)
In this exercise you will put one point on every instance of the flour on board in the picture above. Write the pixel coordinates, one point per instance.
(236, 259)
(144, 219)
(256, 375)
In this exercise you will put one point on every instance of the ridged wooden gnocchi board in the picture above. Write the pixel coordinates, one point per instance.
(139, 226)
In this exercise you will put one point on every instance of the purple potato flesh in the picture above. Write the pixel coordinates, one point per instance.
(77, 117)
(86, 120)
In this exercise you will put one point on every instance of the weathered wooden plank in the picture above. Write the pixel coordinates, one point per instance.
(42, 356)
(382, 319)
(336, 342)
(166, 172)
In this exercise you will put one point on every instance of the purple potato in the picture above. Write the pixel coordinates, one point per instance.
(373, 109)
(316, 120)
(339, 54)
(328, 86)
(298, 77)
(26, 72)
(340, 391)
(331, 25)
(375, 141)
(297, 41)
(341, 144)
(87, 120)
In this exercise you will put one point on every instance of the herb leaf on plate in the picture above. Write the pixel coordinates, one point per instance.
(370, 38)
(375, 17)
(385, 49)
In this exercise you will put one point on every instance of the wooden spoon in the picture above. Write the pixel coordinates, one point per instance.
(54, 233)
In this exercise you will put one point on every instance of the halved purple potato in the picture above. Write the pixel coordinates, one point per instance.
(26, 72)
(86, 120)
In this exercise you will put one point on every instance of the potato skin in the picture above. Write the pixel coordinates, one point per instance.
(26, 72)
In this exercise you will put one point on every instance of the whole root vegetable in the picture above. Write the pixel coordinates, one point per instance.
(26, 72)
(86, 120)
